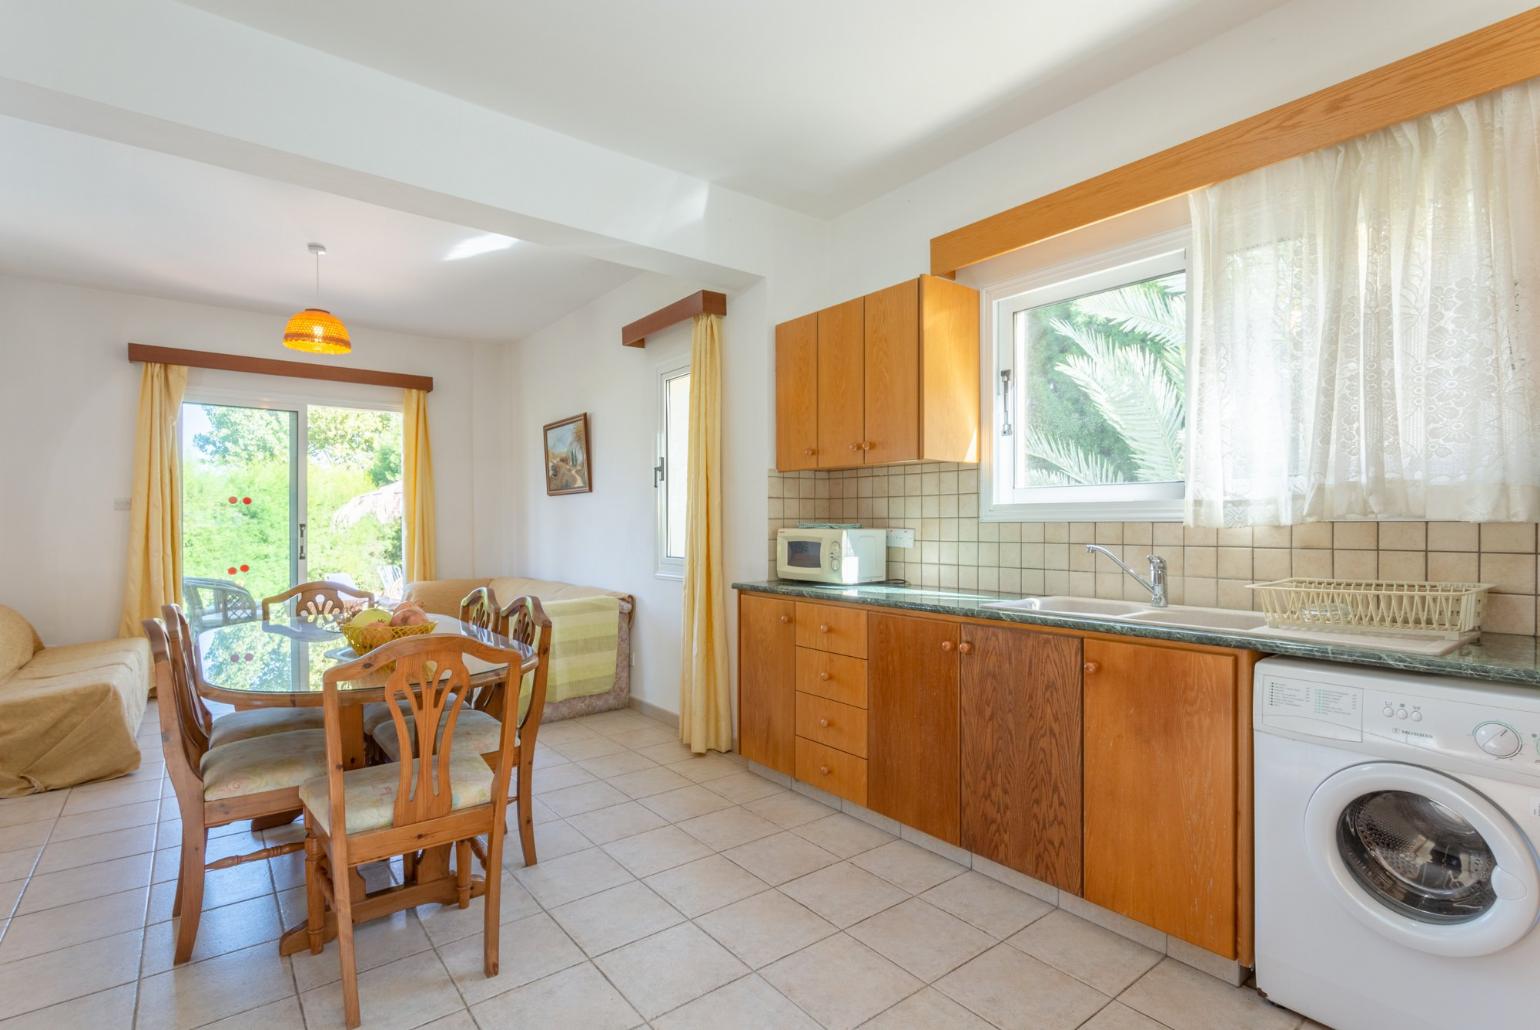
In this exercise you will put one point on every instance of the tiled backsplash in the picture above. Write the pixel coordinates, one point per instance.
(954, 550)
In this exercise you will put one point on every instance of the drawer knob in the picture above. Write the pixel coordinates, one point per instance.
(808, 451)
(823, 627)
(855, 447)
(824, 723)
(785, 619)
(1091, 667)
(823, 676)
(824, 769)
(965, 647)
(946, 645)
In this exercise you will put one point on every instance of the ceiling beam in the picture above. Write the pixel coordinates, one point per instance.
(1468, 66)
(702, 302)
(276, 367)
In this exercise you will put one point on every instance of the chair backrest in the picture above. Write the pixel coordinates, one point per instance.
(184, 649)
(426, 680)
(479, 608)
(182, 739)
(217, 602)
(525, 622)
(318, 598)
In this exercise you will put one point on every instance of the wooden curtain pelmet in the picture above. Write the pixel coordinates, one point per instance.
(276, 367)
(702, 302)
(1480, 62)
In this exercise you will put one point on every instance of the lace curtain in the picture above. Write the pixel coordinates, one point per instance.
(1366, 339)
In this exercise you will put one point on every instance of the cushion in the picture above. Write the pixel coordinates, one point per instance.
(18, 641)
(475, 733)
(443, 596)
(509, 587)
(371, 792)
(260, 764)
(260, 722)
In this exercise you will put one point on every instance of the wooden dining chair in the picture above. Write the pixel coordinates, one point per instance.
(246, 779)
(318, 597)
(479, 608)
(448, 795)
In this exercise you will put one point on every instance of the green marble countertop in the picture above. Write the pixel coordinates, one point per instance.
(1500, 657)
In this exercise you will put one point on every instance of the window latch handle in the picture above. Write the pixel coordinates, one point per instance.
(1005, 407)
(658, 472)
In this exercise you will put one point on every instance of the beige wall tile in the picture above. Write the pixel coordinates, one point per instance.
(1200, 561)
(1403, 536)
(1236, 537)
(1355, 536)
(1454, 536)
(1271, 536)
(1234, 593)
(1312, 535)
(1167, 534)
(1354, 564)
(1312, 564)
(1198, 536)
(1053, 532)
(1235, 562)
(1453, 567)
(1404, 566)
(1269, 563)
(1516, 537)
(1509, 613)
(1509, 573)
(1109, 532)
(1202, 591)
(1140, 533)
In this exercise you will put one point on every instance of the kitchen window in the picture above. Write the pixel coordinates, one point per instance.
(670, 474)
(1089, 380)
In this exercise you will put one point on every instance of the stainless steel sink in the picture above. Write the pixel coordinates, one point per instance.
(1199, 618)
(1055, 604)
(1137, 611)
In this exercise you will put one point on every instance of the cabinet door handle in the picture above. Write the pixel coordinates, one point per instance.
(824, 769)
(823, 627)
(785, 619)
(1090, 667)
(946, 645)
(965, 647)
(824, 723)
(824, 676)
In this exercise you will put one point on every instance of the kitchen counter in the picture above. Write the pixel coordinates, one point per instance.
(1499, 657)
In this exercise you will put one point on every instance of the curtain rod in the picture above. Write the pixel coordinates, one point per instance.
(275, 367)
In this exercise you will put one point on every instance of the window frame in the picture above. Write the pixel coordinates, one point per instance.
(999, 501)
(666, 566)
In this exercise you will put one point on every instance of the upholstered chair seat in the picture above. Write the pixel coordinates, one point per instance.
(476, 733)
(370, 794)
(277, 761)
(262, 722)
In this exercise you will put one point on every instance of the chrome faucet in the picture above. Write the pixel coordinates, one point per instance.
(1156, 584)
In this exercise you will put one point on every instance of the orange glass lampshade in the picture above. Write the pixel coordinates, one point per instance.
(317, 331)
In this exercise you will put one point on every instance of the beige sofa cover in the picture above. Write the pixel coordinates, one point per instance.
(67, 714)
(443, 597)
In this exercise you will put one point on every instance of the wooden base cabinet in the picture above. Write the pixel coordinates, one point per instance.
(1161, 789)
(913, 741)
(767, 681)
(1021, 776)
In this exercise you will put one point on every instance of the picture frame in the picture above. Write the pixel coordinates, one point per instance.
(568, 456)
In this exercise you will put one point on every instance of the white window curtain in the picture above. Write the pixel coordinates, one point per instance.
(1366, 330)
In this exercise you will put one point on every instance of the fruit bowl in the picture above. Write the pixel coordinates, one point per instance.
(367, 637)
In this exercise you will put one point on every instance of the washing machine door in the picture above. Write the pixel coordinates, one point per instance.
(1423, 859)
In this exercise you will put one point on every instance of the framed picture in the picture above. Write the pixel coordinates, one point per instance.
(568, 469)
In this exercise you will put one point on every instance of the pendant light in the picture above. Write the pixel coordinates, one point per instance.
(315, 329)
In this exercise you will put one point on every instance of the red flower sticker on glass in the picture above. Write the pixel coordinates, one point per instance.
(230, 571)
(245, 500)
(245, 568)
(234, 500)
(248, 656)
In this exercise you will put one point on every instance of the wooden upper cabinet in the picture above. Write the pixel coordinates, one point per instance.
(889, 377)
(1161, 791)
(767, 681)
(893, 374)
(913, 743)
(796, 394)
(1021, 787)
(840, 361)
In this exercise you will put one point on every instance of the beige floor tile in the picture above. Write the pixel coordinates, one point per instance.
(840, 982)
(406, 993)
(1185, 999)
(575, 997)
(645, 783)
(461, 1020)
(789, 809)
(91, 823)
(51, 890)
(742, 787)
(285, 1012)
(765, 928)
(843, 835)
(662, 972)
(56, 976)
(1013, 990)
(987, 903)
(844, 894)
(729, 828)
(376, 943)
(221, 930)
(220, 887)
(580, 749)
(928, 1009)
(24, 835)
(645, 736)
(782, 857)
(552, 840)
(617, 763)
(528, 949)
(921, 938)
(10, 893)
(559, 777)
(908, 866)
(1086, 951)
(100, 847)
(93, 797)
(585, 797)
(666, 753)
(201, 992)
(18, 865)
(746, 1004)
(616, 822)
(605, 921)
(656, 850)
(564, 731)
(32, 808)
(706, 768)
(685, 803)
(86, 920)
(704, 885)
(1117, 1016)
(111, 1009)
(573, 876)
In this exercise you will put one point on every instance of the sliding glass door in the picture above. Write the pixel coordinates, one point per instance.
(273, 496)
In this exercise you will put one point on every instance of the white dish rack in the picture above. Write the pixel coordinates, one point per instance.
(1444, 610)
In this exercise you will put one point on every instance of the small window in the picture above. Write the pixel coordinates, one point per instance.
(670, 475)
(1090, 394)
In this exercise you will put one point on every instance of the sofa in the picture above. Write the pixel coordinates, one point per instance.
(590, 637)
(67, 714)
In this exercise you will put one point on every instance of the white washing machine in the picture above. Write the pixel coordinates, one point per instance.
(1397, 817)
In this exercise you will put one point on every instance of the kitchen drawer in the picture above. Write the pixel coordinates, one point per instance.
(829, 722)
(832, 770)
(834, 676)
(826, 628)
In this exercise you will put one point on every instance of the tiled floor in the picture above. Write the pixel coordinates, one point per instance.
(672, 891)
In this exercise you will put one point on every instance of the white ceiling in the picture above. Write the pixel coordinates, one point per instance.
(817, 105)
(106, 214)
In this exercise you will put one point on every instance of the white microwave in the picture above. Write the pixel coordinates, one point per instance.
(832, 555)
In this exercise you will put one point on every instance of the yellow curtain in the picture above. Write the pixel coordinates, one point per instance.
(155, 522)
(705, 700)
(417, 487)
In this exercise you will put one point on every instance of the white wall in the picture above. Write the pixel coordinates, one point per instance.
(68, 398)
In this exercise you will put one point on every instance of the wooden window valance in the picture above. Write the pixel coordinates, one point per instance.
(1479, 62)
(702, 302)
(277, 367)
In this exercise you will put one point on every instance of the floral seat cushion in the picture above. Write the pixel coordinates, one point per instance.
(262, 722)
(371, 793)
(476, 733)
(260, 764)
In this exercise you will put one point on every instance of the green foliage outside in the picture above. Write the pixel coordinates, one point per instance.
(1105, 386)
(244, 452)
